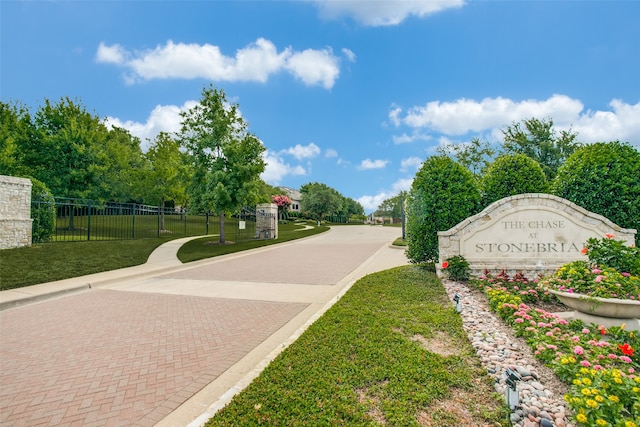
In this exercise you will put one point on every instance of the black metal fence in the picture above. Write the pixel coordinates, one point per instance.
(78, 219)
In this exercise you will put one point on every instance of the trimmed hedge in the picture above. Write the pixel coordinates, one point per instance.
(604, 178)
(513, 174)
(443, 194)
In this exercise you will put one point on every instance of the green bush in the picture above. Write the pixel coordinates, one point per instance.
(443, 194)
(513, 174)
(604, 178)
(457, 268)
(43, 212)
(609, 252)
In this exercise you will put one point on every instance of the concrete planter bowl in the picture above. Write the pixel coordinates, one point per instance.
(604, 307)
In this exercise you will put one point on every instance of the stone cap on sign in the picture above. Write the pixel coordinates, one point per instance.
(531, 233)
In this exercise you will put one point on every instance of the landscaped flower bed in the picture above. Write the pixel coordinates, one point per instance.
(600, 364)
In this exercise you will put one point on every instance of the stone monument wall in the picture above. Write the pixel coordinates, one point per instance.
(15, 212)
(528, 233)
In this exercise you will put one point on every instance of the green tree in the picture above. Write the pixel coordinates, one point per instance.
(351, 207)
(512, 174)
(165, 177)
(604, 178)
(443, 193)
(539, 140)
(43, 212)
(64, 151)
(320, 200)
(16, 129)
(226, 159)
(393, 206)
(475, 155)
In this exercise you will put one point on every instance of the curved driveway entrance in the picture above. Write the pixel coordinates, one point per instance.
(172, 348)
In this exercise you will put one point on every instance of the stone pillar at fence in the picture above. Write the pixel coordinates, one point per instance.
(15, 212)
(267, 221)
(526, 233)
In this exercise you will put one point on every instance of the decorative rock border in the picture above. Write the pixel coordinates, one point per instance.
(498, 351)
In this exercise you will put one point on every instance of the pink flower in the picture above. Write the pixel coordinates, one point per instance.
(597, 367)
(596, 271)
(575, 338)
(585, 363)
(598, 279)
(612, 356)
(585, 331)
(626, 274)
(519, 320)
(625, 359)
(578, 350)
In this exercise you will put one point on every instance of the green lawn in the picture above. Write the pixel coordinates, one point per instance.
(46, 262)
(391, 351)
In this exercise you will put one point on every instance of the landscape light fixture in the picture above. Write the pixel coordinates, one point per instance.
(456, 300)
(513, 395)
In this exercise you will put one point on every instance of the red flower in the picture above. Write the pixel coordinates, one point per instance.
(609, 235)
(584, 251)
(626, 349)
(445, 264)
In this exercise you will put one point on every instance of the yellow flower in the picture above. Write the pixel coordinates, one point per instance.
(586, 392)
(599, 399)
(617, 380)
(637, 379)
(601, 422)
(584, 371)
(594, 391)
(577, 381)
(586, 381)
(581, 418)
(636, 389)
(614, 398)
(591, 403)
(629, 424)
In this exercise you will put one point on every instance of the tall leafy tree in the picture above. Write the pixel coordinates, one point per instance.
(226, 159)
(475, 155)
(165, 177)
(16, 129)
(538, 139)
(320, 200)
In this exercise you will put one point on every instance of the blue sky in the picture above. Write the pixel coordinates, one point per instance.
(353, 94)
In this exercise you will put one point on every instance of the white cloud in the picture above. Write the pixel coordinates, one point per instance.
(302, 151)
(276, 169)
(372, 164)
(492, 114)
(255, 62)
(111, 54)
(163, 118)
(416, 135)
(330, 153)
(348, 53)
(381, 13)
(371, 203)
(410, 164)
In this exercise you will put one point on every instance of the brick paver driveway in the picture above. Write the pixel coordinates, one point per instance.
(132, 353)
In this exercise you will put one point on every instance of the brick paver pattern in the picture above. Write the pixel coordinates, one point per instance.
(112, 358)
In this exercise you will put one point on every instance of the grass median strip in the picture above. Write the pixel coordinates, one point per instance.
(392, 351)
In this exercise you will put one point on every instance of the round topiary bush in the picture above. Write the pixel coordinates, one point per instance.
(513, 174)
(43, 212)
(443, 194)
(604, 178)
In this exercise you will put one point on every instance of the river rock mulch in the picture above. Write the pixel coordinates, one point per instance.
(541, 393)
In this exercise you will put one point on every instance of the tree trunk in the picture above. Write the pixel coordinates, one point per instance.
(221, 227)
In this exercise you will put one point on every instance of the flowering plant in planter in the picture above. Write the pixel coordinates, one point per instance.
(612, 271)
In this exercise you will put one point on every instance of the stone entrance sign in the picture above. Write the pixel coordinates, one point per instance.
(528, 233)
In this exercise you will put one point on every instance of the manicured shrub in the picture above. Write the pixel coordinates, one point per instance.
(443, 194)
(457, 268)
(604, 178)
(513, 174)
(43, 212)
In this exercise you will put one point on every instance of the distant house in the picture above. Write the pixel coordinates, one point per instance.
(295, 197)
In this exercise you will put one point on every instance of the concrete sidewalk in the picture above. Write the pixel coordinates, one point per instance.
(169, 344)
